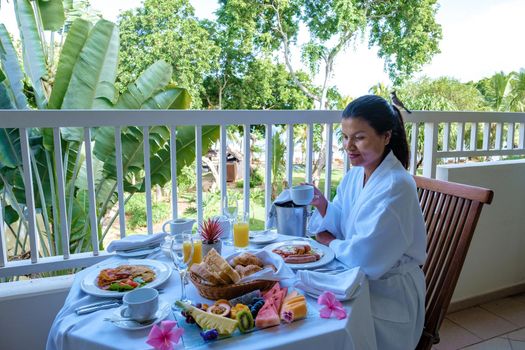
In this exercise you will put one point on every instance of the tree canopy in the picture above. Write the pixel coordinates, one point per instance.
(406, 32)
(166, 30)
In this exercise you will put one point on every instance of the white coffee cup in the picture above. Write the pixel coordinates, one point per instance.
(140, 304)
(302, 194)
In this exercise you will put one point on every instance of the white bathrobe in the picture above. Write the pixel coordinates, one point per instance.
(380, 228)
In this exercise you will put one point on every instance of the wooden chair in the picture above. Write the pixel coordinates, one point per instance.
(451, 212)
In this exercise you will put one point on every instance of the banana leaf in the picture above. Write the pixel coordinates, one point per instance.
(52, 13)
(5, 99)
(12, 70)
(172, 98)
(75, 40)
(10, 148)
(10, 215)
(2, 75)
(154, 78)
(95, 70)
(33, 52)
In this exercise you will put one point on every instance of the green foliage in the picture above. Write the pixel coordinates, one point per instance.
(85, 78)
(136, 212)
(406, 32)
(166, 30)
(442, 94)
(187, 178)
(256, 179)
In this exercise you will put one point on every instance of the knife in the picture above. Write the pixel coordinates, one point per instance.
(88, 310)
(100, 303)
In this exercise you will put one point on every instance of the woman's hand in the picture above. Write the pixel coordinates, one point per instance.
(324, 237)
(319, 201)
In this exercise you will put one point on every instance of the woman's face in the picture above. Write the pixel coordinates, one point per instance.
(363, 145)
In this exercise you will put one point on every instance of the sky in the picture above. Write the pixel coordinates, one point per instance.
(480, 38)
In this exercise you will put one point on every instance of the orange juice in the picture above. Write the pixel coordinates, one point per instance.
(241, 237)
(197, 251)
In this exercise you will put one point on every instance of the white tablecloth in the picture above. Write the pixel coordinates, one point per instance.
(72, 332)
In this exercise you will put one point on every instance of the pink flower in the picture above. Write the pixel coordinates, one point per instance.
(331, 305)
(163, 337)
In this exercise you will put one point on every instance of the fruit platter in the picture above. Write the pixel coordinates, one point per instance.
(248, 313)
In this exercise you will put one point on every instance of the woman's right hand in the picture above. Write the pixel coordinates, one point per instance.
(319, 201)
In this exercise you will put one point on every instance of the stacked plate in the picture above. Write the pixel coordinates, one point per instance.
(263, 236)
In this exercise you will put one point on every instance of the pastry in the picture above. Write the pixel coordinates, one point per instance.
(246, 259)
(247, 270)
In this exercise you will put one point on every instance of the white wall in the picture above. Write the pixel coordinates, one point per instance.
(27, 310)
(496, 257)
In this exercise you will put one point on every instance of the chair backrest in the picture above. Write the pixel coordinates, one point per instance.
(451, 212)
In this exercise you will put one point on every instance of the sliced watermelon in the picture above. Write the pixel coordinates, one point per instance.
(278, 299)
(275, 289)
(267, 316)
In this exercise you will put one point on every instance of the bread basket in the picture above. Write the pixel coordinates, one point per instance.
(227, 291)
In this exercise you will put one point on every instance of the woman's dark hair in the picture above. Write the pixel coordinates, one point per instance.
(382, 117)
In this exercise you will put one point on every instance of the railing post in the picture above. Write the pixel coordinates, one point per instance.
(222, 164)
(3, 240)
(173, 166)
(429, 149)
(120, 182)
(147, 179)
(413, 148)
(289, 155)
(309, 151)
(246, 182)
(198, 171)
(328, 172)
(268, 172)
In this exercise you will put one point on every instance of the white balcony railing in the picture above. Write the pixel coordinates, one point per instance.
(486, 129)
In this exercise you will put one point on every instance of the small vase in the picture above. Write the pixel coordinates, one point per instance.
(206, 247)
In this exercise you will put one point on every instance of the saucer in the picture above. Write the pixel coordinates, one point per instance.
(263, 236)
(163, 312)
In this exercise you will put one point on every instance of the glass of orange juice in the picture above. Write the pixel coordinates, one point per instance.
(241, 230)
(197, 251)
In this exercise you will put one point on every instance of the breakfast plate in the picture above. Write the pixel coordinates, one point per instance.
(89, 283)
(326, 254)
(263, 236)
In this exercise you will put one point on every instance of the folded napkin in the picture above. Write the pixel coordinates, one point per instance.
(283, 197)
(136, 242)
(283, 271)
(343, 284)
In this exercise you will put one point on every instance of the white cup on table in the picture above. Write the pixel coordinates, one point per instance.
(140, 304)
(302, 194)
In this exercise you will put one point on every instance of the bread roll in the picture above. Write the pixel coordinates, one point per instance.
(246, 259)
(247, 270)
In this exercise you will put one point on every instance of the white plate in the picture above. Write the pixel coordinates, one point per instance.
(327, 255)
(137, 253)
(89, 283)
(263, 237)
(162, 313)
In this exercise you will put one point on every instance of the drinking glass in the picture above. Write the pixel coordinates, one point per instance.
(181, 251)
(241, 230)
(229, 209)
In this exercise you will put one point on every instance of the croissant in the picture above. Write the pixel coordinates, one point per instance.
(247, 270)
(246, 259)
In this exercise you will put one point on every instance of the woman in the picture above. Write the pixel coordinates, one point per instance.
(375, 220)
